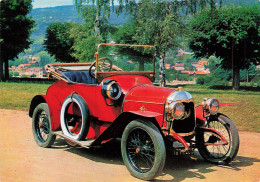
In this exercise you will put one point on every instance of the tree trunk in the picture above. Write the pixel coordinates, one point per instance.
(236, 78)
(6, 70)
(162, 71)
(97, 21)
(1, 70)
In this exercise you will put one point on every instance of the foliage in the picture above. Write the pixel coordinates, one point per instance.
(15, 30)
(170, 74)
(84, 42)
(154, 23)
(213, 63)
(58, 42)
(183, 77)
(96, 13)
(256, 79)
(157, 24)
(45, 58)
(248, 74)
(16, 62)
(125, 33)
(217, 32)
(13, 73)
(218, 76)
(160, 23)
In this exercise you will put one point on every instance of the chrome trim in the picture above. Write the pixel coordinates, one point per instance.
(144, 102)
(179, 95)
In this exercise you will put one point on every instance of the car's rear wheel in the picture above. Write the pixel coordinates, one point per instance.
(74, 117)
(41, 126)
(143, 149)
(211, 148)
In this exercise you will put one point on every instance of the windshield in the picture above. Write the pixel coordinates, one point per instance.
(125, 58)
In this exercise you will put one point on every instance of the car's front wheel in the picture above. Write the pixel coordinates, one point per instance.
(211, 148)
(41, 126)
(143, 149)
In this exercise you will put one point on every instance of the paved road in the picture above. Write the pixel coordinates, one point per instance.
(22, 160)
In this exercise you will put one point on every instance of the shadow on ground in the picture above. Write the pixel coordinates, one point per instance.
(178, 168)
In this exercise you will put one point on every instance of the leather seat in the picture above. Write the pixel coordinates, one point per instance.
(80, 77)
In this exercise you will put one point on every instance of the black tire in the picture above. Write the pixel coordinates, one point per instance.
(41, 126)
(219, 154)
(143, 149)
(75, 125)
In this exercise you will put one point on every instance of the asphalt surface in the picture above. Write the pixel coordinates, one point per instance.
(22, 160)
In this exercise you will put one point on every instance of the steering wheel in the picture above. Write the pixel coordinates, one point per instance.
(105, 65)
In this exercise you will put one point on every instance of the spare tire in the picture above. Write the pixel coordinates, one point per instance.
(74, 117)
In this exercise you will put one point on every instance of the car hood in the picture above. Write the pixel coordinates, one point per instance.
(149, 94)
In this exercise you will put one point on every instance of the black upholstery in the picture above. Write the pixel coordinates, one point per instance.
(80, 77)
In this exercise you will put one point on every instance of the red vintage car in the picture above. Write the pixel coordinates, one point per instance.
(93, 103)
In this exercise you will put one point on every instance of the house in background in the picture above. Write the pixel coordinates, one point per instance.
(179, 66)
(202, 64)
(36, 72)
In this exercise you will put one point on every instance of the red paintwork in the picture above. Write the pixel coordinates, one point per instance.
(215, 133)
(181, 140)
(199, 110)
(149, 93)
(131, 86)
(227, 104)
(199, 113)
(149, 97)
(140, 97)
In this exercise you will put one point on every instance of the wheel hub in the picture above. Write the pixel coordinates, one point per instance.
(45, 125)
(137, 150)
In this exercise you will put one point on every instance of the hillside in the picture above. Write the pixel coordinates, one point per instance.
(46, 16)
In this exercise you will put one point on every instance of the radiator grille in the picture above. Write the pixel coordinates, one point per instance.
(186, 124)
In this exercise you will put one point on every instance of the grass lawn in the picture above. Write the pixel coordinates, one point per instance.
(245, 113)
(19, 95)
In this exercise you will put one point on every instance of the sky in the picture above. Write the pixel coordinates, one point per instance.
(50, 3)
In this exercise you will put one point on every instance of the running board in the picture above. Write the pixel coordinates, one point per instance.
(83, 143)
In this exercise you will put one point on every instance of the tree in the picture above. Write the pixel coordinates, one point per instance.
(100, 11)
(125, 35)
(58, 42)
(45, 58)
(84, 37)
(84, 42)
(15, 30)
(231, 33)
(157, 23)
(161, 23)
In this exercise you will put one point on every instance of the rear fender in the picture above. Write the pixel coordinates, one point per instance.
(117, 127)
(54, 108)
(35, 102)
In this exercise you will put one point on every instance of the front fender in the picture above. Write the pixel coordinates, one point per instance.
(200, 119)
(117, 127)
